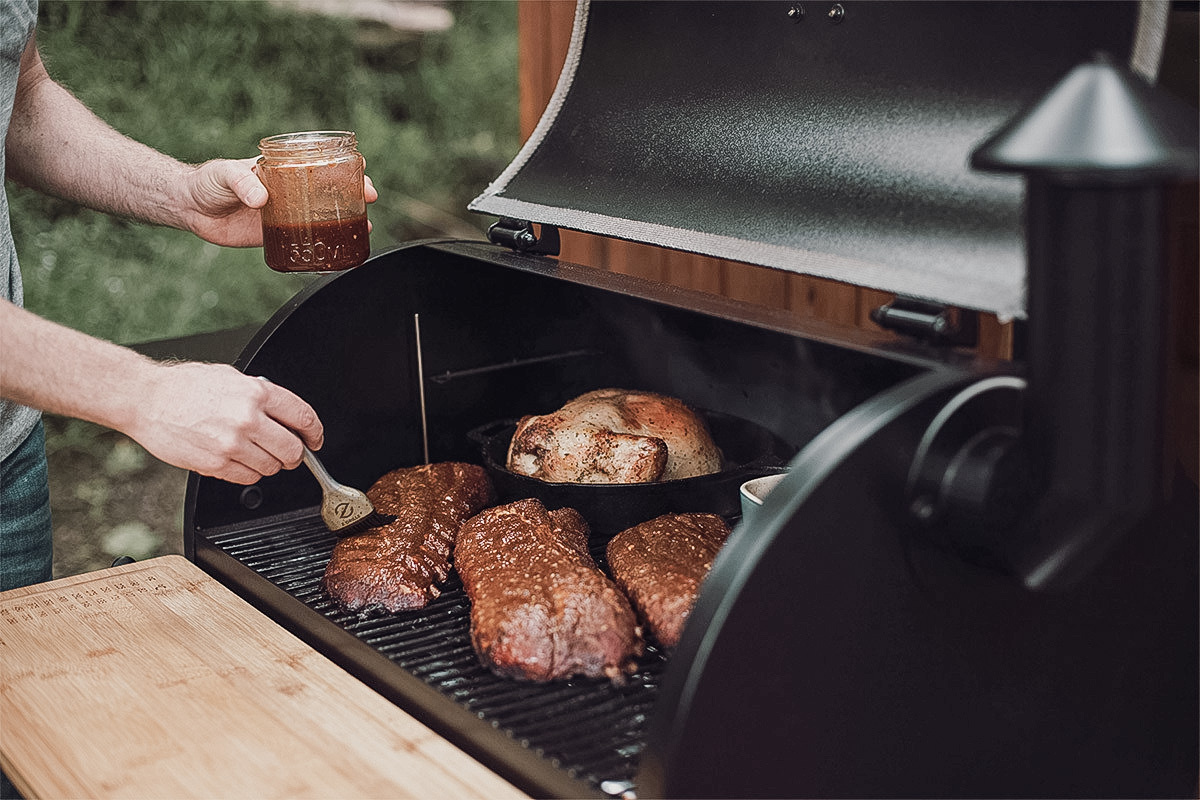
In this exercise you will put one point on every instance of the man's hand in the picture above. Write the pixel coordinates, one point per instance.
(213, 419)
(204, 417)
(223, 198)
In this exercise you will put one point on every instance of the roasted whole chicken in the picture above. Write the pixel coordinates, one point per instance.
(614, 436)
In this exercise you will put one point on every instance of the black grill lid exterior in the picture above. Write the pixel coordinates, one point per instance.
(833, 141)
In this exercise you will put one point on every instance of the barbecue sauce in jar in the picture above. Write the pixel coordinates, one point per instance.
(315, 219)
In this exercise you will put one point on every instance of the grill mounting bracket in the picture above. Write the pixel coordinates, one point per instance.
(518, 235)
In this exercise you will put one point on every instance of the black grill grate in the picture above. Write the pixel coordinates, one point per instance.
(593, 730)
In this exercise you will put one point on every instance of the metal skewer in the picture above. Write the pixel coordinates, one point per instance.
(421, 387)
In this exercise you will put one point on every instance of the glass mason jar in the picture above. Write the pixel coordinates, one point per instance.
(315, 219)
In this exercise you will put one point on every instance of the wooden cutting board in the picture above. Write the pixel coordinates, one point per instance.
(154, 680)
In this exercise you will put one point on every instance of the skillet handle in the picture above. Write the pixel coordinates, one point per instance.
(485, 433)
(758, 468)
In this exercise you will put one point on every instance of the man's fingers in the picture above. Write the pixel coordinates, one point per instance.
(246, 185)
(235, 472)
(264, 460)
(280, 445)
(295, 415)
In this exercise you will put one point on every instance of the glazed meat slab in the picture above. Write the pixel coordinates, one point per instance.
(541, 609)
(399, 566)
(660, 565)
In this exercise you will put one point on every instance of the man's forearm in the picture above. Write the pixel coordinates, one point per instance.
(54, 368)
(58, 146)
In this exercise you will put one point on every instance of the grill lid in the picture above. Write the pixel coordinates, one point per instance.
(830, 139)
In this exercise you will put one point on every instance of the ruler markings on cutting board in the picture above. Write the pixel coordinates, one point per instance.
(153, 679)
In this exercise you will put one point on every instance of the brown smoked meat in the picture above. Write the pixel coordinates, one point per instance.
(660, 565)
(541, 609)
(398, 566)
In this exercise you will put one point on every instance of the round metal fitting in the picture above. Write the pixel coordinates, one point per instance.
(251, 497)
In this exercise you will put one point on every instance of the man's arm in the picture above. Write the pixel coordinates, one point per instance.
(206, 417)
(57, 146)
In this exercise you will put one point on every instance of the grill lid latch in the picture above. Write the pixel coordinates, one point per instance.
(518, 235)
(929, 322)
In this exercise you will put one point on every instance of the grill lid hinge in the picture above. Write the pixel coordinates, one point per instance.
(929, 322)
(518, 235)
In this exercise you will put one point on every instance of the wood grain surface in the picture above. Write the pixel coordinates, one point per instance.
(153, 680)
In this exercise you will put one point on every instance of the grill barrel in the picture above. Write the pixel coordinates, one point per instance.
(580, 737)
(831, 619)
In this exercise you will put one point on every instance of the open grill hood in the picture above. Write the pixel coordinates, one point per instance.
(834, 143)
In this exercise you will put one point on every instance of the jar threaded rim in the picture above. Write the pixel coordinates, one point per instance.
(308, 143)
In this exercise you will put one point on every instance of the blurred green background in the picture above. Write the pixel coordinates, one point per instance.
(436, 117)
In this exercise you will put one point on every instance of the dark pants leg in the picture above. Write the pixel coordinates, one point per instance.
(26, 548)
(26, 545)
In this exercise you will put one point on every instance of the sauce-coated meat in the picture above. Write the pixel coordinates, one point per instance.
(398, 566)
(541, 609)
(660, 565)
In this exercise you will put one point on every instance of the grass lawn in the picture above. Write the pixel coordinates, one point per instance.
(436, 119)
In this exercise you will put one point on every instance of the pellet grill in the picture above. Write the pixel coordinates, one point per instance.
(977, 579)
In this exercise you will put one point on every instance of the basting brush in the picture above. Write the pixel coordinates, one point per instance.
(345, 510)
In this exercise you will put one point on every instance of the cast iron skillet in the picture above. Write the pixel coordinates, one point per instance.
(750, 451)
